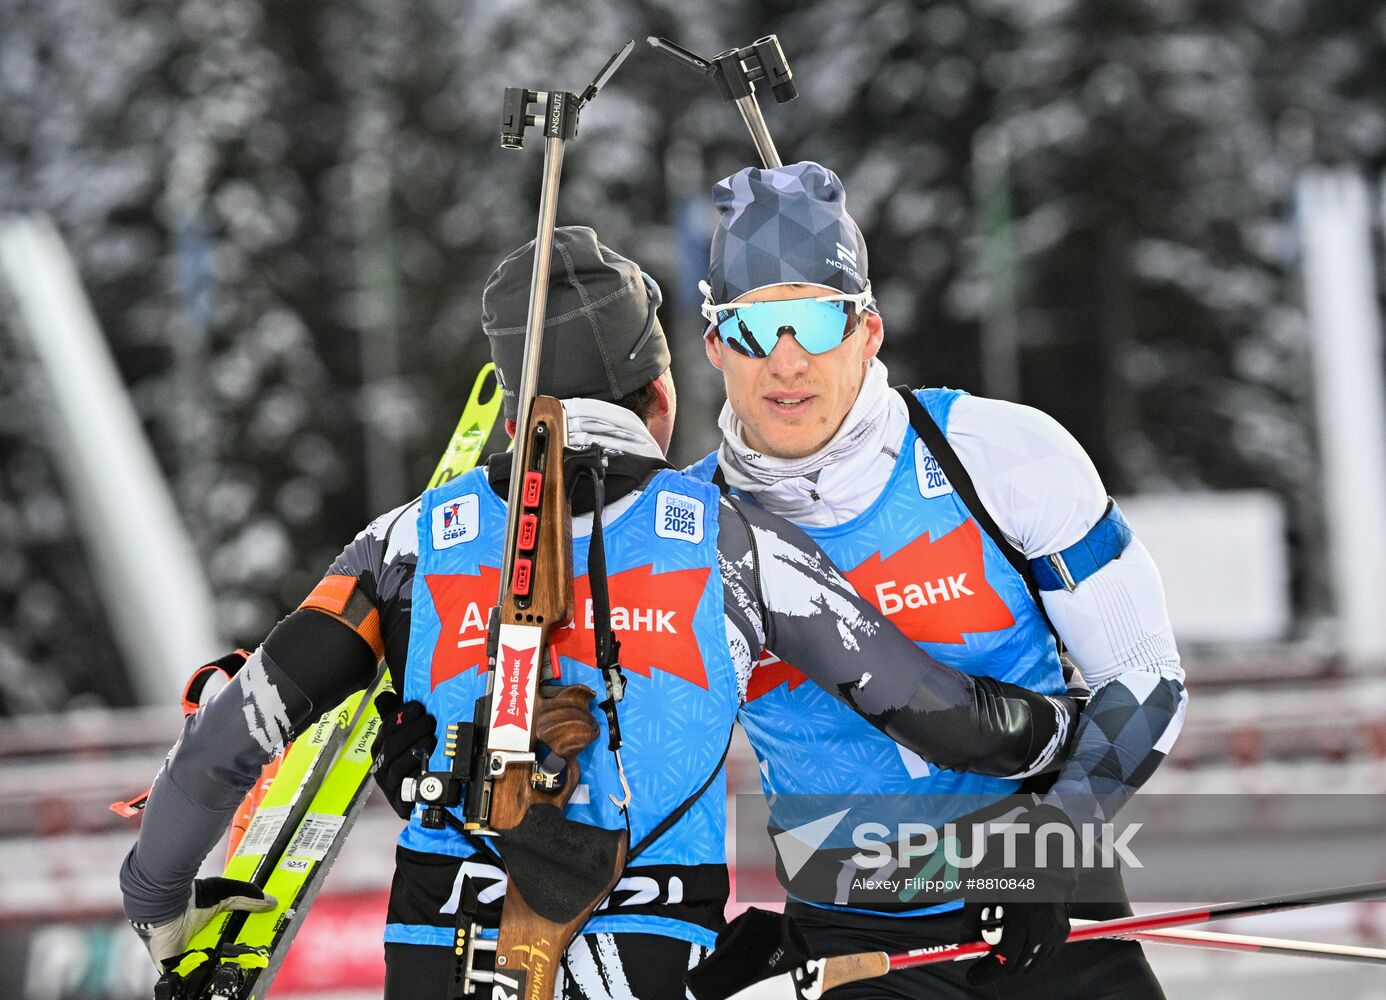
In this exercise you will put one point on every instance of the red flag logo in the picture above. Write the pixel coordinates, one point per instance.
(651, 613)
(933, 591)
(464, 606)
(652, 616)
(512, 697)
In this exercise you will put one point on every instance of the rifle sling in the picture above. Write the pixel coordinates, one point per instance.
(591, 464)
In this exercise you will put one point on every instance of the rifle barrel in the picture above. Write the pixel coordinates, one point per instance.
(534, 339)
(760, 134)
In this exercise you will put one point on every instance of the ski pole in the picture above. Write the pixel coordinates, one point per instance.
(1249, 944)
(823, 974)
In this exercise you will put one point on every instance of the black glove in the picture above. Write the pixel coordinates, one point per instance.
(755, 946)
(404, 728)
(1024, 926)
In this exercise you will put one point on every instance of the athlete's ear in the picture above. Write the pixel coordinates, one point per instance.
(663, 387)
(713, 345)
(875, 335)
(509, 427)
(660, 419)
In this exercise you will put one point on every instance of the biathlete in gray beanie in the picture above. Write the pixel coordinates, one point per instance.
(602, 337)
(699, 584)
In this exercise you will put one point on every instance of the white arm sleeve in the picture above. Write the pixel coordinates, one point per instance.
(1045, 494)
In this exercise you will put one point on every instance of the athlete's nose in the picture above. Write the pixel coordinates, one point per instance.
(787, 358)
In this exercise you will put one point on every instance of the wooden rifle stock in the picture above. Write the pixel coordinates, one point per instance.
(536, 842)
(548, 605)
(549, 601)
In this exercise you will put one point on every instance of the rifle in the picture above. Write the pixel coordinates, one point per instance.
(558, 869)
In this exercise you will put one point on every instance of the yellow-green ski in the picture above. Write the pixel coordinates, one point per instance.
(299, 827)
(472, 430)
(293, 838)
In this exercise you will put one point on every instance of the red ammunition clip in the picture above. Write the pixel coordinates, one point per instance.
(529, 531)
(534, 486)
(519, 583)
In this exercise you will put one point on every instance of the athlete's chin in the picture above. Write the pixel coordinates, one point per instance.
(793, 451)
(790, 440)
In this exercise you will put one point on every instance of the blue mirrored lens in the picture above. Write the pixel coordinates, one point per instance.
(754, 329)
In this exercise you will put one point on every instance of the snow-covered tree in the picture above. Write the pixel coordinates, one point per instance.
(285, 214)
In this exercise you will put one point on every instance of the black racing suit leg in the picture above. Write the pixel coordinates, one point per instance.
(423, 972)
